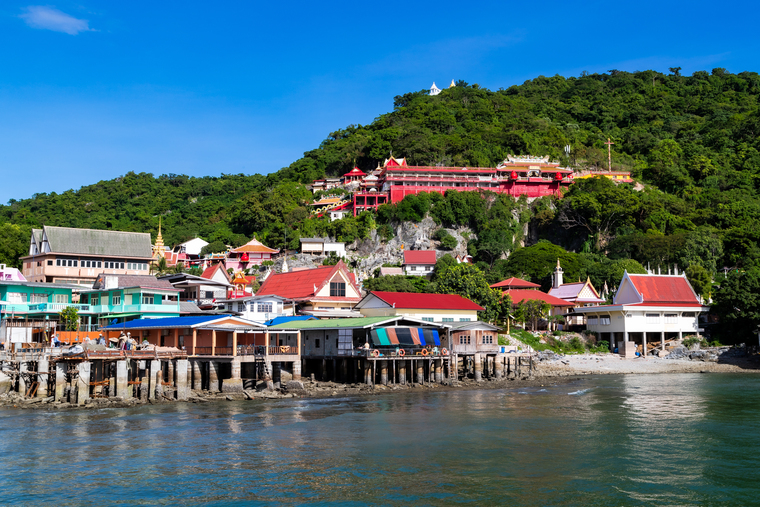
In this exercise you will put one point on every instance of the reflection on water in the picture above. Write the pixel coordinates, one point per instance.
(614, 440)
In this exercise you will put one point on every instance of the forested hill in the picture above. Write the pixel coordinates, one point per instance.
(692, 139)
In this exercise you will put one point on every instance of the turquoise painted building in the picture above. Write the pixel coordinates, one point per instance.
(36, 301)
(121, 298)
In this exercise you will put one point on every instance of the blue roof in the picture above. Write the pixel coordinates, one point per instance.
(167, 322)
(282, 320)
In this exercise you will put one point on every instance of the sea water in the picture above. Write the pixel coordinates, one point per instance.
(677, 439)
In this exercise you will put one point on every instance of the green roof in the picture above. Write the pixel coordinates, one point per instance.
(351, 323)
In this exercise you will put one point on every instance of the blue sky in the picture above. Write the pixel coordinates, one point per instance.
(91, 90)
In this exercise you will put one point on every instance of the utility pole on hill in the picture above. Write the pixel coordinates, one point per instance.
(609, 144)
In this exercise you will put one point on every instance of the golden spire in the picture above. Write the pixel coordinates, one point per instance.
(158, 249)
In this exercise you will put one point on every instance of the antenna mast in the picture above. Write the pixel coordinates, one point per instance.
(609, 144)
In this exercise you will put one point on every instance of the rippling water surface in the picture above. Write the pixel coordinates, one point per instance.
(613, 440)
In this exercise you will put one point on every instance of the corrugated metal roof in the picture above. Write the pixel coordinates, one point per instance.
(516, 283)
(336, 323)
(142, 281)
(99, 242)
(426, 301)
(519, 295)
(419, 256)
(664, 289)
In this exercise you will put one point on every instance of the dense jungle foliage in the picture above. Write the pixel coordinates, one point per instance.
(691, 140)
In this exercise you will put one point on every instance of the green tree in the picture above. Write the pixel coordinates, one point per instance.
(700, 280)
(390, 283)
(14, 243)
(598, 207)
(469, 282)
(69, 317)
(213, 247)
(532, 311)
(737, 305)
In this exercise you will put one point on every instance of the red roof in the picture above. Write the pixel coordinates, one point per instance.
(520, 295)
(516, 283)
(427, 301)
(419, 257)
(209, 272)
(356, 172)
(664, 289)
(300, 284)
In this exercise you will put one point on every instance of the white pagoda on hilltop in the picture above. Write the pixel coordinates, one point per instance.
(434, 90)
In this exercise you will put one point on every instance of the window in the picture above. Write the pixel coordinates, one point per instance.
(428, 319)
(592, 321)
(116, 298)
(337, 289)
(240, 307)
(604, 320)
(264, 307)
(209, 294)
(49, 263)
(468, 340)
(121, 265)
(39, 298)
(447, 319)
(487, 339)
(104, 299)
(671, 318)
(147, 299)
(464, 320)
(653, 318)
(75, 263)
(462, 340)
(99, 263)
(58, 262)
(16, 297)
(94, 300)
(61, 298)
(316, 343)
(70, 262)
(688, 314)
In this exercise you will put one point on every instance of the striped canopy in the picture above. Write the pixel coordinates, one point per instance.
(405, 336)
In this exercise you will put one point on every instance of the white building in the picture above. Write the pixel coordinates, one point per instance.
(443, 308)
(646, 308)
(419, 262)
(192, 247)
(321, 246)
(258, 308)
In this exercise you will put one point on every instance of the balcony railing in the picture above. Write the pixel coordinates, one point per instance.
(57, 307)
(247, 350)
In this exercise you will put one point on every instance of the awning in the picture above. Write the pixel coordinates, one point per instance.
(118, 315)
(407, 336)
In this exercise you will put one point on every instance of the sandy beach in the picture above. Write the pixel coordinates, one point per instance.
(596, 364)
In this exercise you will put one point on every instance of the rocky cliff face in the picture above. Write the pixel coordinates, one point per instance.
(364, 256)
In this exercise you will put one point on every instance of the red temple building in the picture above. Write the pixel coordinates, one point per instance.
(523, 175)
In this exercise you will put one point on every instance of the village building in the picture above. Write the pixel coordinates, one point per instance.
(226, 353)
(120, 298)
(253, 253)
(557, 306)
(202, 290)
(646, 309)
(374, 350)
(419, 262)
(325, 291)
(67, 255)
(580, 294)
(322, 246)
(443, 308)
(258, 308)
(29, 311)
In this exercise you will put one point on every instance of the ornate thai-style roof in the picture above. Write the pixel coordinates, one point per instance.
(254, 246)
